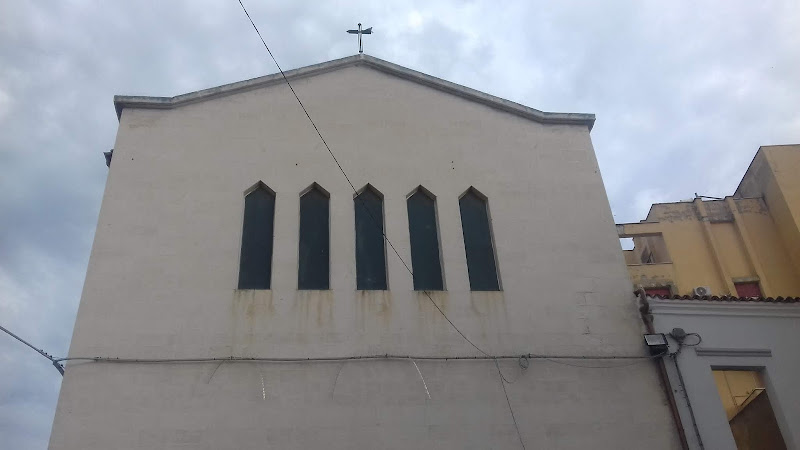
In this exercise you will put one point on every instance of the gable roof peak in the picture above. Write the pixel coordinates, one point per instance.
(361, 59)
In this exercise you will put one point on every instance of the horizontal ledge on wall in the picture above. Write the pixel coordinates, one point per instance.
(721, 308)
(749, 352)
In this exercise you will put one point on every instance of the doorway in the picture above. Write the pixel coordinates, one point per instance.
(748, 409)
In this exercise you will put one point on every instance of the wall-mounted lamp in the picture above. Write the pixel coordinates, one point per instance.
(657, 343)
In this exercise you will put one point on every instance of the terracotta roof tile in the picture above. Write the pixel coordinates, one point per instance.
(729, 298)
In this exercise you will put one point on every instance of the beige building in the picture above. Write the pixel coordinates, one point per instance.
(228, 232)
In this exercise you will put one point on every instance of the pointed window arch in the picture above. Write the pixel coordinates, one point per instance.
(314, 243)
(255, 260)
(370, 247)
(424, 236)
(481, 263)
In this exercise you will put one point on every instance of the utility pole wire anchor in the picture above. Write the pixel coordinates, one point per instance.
(55, 362)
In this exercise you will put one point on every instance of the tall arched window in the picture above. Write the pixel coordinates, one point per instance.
(424, 238)
(370, 249)
(478, 242)
(314, 248)
(255, 261)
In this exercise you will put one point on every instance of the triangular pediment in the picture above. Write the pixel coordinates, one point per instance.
(142, 102)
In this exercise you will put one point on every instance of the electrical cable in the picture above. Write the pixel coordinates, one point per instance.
(346, 358)
(39, 351)
(336, 380)
(699, 340)
(507, 380)
(674, 357)
(594, 366)
(523, 363)
(55, 361)
(523, 359)
(324, 142)
(686, 394)
(513, 417)
(640, 360)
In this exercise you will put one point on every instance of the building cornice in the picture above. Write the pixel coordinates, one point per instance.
(723, 308)
(143, 102)
(734, 352)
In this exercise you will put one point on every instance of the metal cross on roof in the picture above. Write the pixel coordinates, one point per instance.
(359, 32)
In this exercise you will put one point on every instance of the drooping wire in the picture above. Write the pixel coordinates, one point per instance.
(505, 392)
(341, 169)
(523, 359)
(295, 95)
(699, 340)
(556, 361)
(523, 362)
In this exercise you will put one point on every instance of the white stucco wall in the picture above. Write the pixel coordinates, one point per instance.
(745, 335)
(163, 272)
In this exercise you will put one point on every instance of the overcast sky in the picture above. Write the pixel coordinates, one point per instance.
(684, 93)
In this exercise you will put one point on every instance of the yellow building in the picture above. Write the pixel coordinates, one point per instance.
(745, 245)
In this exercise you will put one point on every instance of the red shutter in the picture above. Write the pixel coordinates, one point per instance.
(748, 289)
(658, 292)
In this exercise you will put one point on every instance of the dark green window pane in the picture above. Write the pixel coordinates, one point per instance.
(478, 243)
(424, 242)
(255, 262)
(370, 250)
(314, 263)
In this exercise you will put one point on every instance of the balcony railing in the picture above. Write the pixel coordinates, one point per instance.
(656, 274)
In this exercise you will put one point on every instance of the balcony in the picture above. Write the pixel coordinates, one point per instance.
(652, 274)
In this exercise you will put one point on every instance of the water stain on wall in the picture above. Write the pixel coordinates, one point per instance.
(489, 308)
(313, 310)
(429, 315)
(251, 311)
(372, 306)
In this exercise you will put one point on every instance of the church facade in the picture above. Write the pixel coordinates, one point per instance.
(256, 297)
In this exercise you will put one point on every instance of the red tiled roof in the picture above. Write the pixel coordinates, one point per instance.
(729, 298)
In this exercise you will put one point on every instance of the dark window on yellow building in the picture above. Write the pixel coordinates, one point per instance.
(370, 249)
(424, 238)
(748, 289)
(255, 261)
(478, 242)
(663, 292)
(314, 263)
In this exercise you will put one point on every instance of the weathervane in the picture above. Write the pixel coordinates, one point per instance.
(359, 32)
